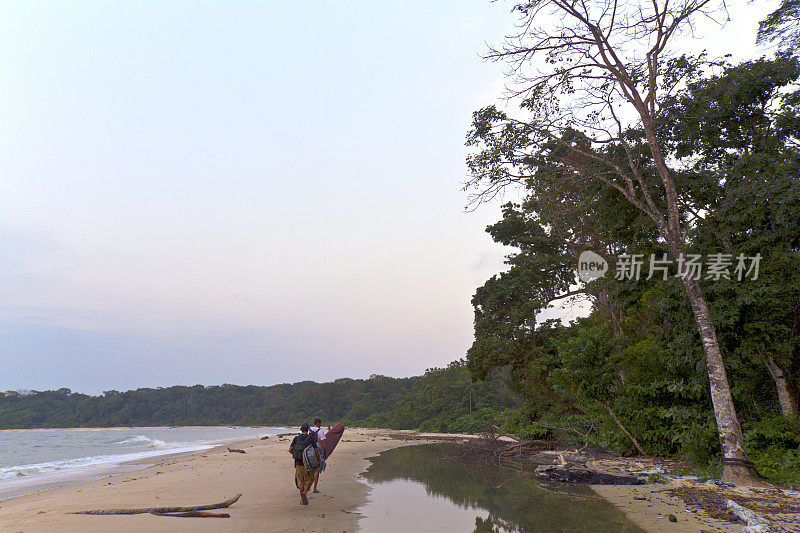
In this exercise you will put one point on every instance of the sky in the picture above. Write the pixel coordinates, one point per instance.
(245, 192)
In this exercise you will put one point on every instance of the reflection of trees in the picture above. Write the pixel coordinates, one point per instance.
(515, 503)
(485, 526)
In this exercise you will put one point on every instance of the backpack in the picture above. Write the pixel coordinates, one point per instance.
(303, 442)
(311, 458)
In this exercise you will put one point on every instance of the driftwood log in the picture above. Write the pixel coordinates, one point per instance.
(195, 514)
(236, 450)
(577, 474)
(754, 522)
(495, 429)
(163, 510)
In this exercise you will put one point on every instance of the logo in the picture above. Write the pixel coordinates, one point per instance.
(631, 267)
(591, 266)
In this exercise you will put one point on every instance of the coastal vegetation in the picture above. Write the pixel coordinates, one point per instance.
(631, 148)
(442, 400)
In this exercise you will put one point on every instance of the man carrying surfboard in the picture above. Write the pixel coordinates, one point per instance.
(320, 433)
(301, 475)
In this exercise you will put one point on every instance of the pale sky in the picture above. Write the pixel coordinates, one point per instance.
(244, 192)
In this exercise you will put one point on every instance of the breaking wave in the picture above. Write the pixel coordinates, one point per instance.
(67, 465)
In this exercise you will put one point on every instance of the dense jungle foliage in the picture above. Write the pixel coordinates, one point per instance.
(441, 400)
(634, 367)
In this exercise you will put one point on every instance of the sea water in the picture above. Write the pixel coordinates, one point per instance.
(38, 459)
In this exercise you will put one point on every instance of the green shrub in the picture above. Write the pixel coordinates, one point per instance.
(778, 465)
(773, 444)
(475, 422)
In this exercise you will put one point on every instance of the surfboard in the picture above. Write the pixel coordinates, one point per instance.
(332, 437)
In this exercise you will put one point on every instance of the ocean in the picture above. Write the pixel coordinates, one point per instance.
(37, 459)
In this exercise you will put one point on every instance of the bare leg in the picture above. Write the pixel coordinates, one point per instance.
(316, 480)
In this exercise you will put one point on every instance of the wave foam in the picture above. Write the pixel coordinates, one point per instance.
(152, 443)
(71, 465)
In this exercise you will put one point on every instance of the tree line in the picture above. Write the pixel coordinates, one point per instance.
(441, 400)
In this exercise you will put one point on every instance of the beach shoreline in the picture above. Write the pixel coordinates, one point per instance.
(42, 459)
(264, 475)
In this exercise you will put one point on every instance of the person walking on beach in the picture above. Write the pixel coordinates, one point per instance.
(301, 475)
(320, 433)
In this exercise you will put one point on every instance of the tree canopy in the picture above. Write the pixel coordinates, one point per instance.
(703, 162)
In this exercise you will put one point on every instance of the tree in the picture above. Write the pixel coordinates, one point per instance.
(782, 25)
(740, 128)
(593, 75)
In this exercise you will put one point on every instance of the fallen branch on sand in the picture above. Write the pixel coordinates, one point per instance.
(577, 474)
(754, 522)
(236, 450)
(195, 514)
(533, 443)
(163, 510)
(493, 449)
(501, 434)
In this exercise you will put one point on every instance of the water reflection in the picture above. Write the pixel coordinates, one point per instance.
(417, 488)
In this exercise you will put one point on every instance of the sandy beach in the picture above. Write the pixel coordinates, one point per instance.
(264, 476)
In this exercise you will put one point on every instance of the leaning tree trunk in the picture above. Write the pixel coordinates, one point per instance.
(736, 468)
(785, 398)
(616, 419)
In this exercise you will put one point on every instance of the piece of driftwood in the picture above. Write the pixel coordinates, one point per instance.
(495, 429)
(754, 522)
(155, 510)
(577, 474)
(195, 514)
(527, 443)
(236, 450)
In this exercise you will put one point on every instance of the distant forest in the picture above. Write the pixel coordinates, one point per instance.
(440, 400)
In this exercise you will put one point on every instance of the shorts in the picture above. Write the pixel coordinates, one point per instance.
(302, 476)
